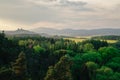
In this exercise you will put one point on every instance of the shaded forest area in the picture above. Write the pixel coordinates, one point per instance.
(40, 58)
(110, 37)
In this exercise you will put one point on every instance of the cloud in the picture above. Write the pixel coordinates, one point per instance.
(46, 24)
(71, 3)
(58, 2)
(10, 25)
(64, 13)
(75, 5)
(43, 2)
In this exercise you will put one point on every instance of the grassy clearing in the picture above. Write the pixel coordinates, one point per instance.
(111, 41)
(76, 39)
(82, 39)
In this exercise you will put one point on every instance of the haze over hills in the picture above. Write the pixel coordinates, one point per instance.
(79, 32)
(19, 31)
(47, 32)
(23, 33)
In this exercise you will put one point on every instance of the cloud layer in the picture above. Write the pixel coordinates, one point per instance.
(77, 14)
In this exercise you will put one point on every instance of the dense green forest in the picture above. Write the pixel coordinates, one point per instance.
(110, 37)
(41, 58)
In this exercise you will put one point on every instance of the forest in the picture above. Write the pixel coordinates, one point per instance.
(110, 37)
(41, 58)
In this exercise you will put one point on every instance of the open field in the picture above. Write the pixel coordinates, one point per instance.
(76, 39)
(111, 41)
(82, 39)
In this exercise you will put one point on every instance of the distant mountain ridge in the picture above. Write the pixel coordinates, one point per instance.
(83, 32)
(19, 31)
(48, 32)
(23, 33)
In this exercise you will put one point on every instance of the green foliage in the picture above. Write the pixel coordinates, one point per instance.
(5, 73)
(96, 43)
(91, 56)
(63, 52)
(50, 74)
(88, 47)
(107, 53)
(22, 43)
(105, 70)
(110, 37)
(38, 49)
(114, 63)
(8, 50)
(91, 65)
(111, 51)
(87, 60)
(61, 70)
(117, 44)
(105, 73)
(20, 67)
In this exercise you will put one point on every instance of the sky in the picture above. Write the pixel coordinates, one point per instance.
(59, 14)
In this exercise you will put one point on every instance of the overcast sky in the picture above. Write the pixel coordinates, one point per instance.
(76, 14)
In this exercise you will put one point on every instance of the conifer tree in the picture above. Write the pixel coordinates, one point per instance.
(19, 67)
(61, 70)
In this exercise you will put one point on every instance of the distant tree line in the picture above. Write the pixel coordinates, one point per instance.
(110, 37)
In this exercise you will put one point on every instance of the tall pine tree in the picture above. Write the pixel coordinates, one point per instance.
(19, 67)
(61, 70)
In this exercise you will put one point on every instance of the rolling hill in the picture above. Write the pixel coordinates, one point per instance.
(23, 33)
(49, 32)
(72, 32)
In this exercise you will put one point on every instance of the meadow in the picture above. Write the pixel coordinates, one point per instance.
(83, 39)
